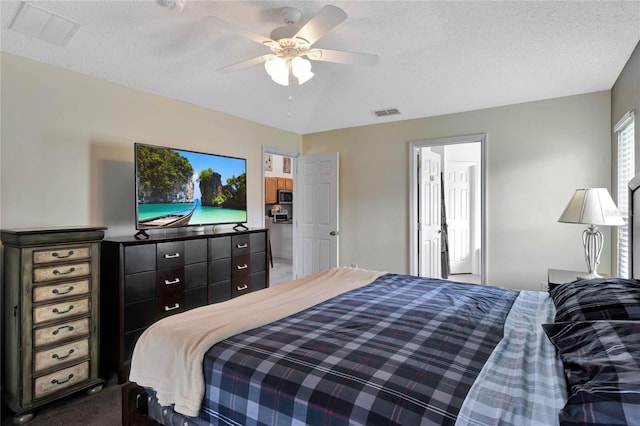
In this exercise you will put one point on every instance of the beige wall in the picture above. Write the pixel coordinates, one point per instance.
(67, 146)
(537, 154)
(67, 159)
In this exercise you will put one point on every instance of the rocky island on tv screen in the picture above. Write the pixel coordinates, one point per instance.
(176, 188)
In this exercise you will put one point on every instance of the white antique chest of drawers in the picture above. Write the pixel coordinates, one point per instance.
(50, 314)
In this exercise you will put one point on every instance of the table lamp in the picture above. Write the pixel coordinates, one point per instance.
(592, 206)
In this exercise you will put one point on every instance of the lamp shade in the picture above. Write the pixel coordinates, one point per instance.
(592, 206)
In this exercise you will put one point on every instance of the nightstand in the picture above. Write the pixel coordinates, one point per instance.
(561, 276)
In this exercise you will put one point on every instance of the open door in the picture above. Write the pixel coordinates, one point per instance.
(429, 213)
(317, 235)
(460, 186)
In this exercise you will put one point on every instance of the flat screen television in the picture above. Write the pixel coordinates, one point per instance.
(178, 188)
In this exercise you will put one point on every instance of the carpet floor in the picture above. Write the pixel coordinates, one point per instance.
(101, 409)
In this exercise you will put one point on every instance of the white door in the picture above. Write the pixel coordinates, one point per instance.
(317, 208)
(429, 214)
(458, 200)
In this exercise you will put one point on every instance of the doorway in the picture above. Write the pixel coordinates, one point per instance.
(279, 183)
(447, 185)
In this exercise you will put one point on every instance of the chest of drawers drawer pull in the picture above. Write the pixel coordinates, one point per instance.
(61, 381)
(61, 292)
(171, 308)
(62, 256)
(171, 256)
(172, 282)
(241, 246)
(242, 287)
(61, 328)
(241, 267)
(66, 311)
(61, 357)
(69, 271)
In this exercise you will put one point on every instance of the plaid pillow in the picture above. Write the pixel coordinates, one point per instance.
(604, 298)
(601, 360)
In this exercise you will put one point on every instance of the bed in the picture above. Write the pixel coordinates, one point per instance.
(356, 347)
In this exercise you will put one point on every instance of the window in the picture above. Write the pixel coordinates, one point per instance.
(624, 130)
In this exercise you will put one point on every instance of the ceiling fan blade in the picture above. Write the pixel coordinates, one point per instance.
(237, 29)
(341, 57)
(323, 21)
(246, 64)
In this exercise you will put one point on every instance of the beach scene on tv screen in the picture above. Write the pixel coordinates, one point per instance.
(180, 188)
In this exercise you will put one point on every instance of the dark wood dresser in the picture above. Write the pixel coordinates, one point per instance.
(143, 281)
(50, 315)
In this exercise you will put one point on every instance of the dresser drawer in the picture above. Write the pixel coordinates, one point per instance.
(61, 310)
(70, 270)
(170, 255)
(60, 355)
(240, 245)
(139, 286)
(59, 332)
(60, 379)
(139, 258)
(61, 255)
(59, 290)
(240, 264)
(219, 248)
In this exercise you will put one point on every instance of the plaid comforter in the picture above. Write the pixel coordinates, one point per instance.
(401, 351)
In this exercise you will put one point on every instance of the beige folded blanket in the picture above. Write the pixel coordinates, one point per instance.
(169, 355)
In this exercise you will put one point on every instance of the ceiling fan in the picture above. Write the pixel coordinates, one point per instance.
(292, 44)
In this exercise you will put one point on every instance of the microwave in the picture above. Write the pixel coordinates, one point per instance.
(285, 196)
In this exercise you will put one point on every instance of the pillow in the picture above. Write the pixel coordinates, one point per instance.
(601, 361)
(603, 298)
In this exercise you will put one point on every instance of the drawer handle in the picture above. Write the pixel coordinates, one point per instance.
(172, 256)
(58, 292)
(175, 306)
(56, 311)
(59, 329)
(176, 281)
(61, 357)
(242, 245)
(60, 382)
(240, 288)
(241, 267)
(62, 256)
(56, 272)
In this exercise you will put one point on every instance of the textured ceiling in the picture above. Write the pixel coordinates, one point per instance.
(435, 57)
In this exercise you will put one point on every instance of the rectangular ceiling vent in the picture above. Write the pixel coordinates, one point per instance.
(386, 112)
(44, 25)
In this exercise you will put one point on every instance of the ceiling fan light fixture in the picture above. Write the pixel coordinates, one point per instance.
(278, 70)
(301, 69)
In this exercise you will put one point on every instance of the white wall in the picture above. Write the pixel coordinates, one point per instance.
(538, 153)
(67, 146)
(277, 163)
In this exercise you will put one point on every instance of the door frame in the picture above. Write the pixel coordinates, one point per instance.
(414, 147)
(294, 174)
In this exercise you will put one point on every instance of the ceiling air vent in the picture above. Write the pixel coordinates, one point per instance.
(386, 112)
(44, 25)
